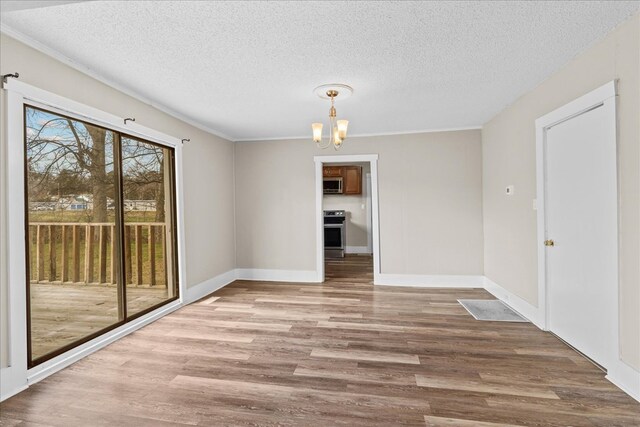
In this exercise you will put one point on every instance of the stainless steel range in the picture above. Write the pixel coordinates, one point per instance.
(334, 234)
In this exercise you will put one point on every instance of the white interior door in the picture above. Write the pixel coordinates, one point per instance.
(581, 219)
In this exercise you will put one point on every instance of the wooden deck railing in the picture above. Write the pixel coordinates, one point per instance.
(85, 253)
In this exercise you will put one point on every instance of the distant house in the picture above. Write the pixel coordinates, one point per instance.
(83, 202)
(78, 202)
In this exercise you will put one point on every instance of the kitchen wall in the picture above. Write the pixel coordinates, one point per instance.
(355, 207)
(430, 190)
(509, 158)
(208, 164)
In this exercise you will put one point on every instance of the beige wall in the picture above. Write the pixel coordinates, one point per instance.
(509, 158)
(208, 159)
(430, 202)
(355, 207)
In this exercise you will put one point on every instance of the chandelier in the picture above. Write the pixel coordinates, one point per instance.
(337, 128)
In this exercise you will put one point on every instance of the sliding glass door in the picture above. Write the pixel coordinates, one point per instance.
(101, 247)
(147, 177)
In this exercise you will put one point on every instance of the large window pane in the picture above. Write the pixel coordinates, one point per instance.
(101, 246)
(72, 234)
(148, 230)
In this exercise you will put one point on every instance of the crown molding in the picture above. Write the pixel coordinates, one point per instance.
(364, 135)
(21, 37)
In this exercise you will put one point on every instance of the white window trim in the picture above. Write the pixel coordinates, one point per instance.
(16, 376)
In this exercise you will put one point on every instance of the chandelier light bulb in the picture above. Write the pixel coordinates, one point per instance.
(342, 128)
(317, 132)
(336, 136)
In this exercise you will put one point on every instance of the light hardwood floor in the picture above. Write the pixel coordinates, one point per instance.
(64, 313)
(344, 353)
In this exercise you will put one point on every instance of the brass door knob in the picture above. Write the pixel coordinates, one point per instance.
(549, 242)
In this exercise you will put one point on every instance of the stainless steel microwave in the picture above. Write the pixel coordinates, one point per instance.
(332, 185)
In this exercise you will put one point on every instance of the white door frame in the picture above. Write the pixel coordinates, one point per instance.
(368, 206)
(602, 97)
(372, 159)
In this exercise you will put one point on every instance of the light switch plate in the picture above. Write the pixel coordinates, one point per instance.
(509, 190)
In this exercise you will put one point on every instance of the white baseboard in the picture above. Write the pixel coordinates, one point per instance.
(526, 309)
(202, 289)
(430, 281)
(268, 275)
(626, 378)
(357, 250)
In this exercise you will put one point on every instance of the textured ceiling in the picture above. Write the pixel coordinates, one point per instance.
(247, 69)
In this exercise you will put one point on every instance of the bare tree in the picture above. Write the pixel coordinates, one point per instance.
(143, 165)
(59, 148)
(58, 144)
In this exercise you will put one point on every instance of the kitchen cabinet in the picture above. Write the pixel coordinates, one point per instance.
(351, 177)
(332, 171)
(352, 180)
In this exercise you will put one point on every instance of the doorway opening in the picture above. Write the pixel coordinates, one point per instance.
(347, 247)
